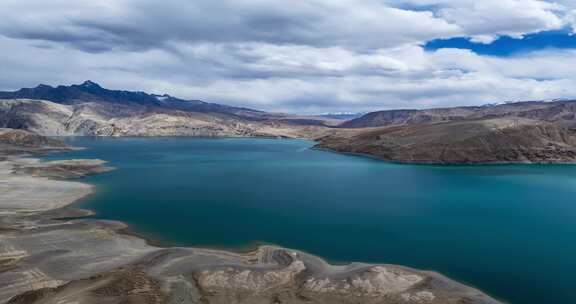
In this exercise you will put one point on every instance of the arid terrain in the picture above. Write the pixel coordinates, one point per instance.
(523, 132)
(90, 110)
(50, 254)
(481, 141)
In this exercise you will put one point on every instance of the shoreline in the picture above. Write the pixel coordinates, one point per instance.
(323, 281)
(317, 146)
(442, 164)
(131, 230)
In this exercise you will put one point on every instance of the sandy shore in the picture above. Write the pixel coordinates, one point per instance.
(45, 260)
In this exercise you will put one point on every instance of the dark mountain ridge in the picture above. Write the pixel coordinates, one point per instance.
(136, 102)
(90, 91)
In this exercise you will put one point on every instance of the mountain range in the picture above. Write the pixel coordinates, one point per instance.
(89, 109)
(530, 131)
(561, 111)
(90, 91)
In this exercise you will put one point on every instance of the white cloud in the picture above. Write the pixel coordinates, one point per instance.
(135, 24)
(486, 20)
(98, 26)
(310, 56)
(571, 20)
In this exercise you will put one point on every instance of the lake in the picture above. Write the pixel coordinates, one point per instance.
(507, 230)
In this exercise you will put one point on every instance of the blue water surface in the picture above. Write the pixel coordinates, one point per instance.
(507, 230)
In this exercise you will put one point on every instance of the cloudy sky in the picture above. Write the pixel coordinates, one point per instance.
(301, 56)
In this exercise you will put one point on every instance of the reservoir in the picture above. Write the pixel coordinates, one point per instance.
(508, 230)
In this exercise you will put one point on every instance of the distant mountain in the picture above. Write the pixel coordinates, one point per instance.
(90, 109)
(557, 111)
(531, 131)
(90, 91)
(341, 115)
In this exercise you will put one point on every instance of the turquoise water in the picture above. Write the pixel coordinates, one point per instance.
(508, 230)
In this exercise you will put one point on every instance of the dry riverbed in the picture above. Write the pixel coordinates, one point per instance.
(49, 254)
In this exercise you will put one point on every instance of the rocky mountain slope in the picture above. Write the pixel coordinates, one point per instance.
(481, 141)
(557, 112)
(89, 109)
(107, 119)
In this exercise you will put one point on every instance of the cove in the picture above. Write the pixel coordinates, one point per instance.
(507, 230)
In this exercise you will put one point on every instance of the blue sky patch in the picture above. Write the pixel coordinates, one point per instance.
(506, 46)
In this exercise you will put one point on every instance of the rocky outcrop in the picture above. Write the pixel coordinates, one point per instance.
(66, 169)
(127, 285)
(24, 139)
(499, 140)
(17, 142)
(49, 254)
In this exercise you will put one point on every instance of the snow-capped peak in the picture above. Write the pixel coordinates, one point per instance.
(89, 84)
(162, 97)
